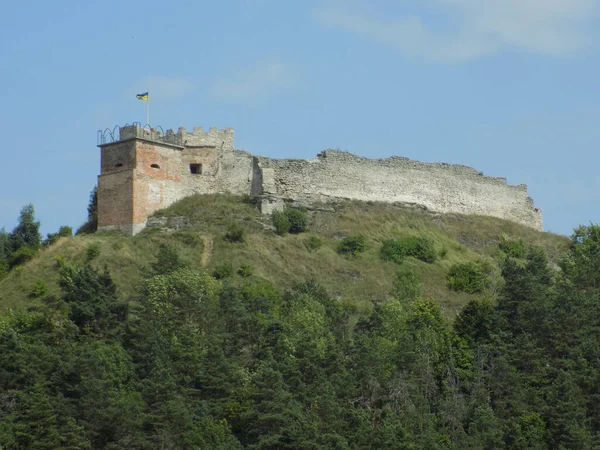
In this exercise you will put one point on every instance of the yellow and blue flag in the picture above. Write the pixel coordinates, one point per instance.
(143, 96)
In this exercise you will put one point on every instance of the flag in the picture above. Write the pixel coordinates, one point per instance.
(143, 96)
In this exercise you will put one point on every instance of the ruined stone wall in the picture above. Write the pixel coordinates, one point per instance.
(146, 171)
(440, 187)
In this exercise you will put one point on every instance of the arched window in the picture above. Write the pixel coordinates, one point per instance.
(155, 166)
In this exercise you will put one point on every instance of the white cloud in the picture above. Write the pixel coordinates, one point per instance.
(472, 28)
(165, 88)
(252, 84)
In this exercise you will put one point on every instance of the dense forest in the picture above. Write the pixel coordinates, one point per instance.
(221, 360)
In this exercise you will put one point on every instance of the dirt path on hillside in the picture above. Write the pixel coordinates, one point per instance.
(208, 249)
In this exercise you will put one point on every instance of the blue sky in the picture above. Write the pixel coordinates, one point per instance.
(510, 87)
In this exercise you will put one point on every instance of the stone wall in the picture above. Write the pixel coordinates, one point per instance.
(146, 171)
(440, 187)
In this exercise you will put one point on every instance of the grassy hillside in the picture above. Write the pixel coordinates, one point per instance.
(196, 227)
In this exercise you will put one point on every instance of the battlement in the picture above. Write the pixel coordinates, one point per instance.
(214, 137)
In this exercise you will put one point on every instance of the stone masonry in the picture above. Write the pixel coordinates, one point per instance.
(144, 170)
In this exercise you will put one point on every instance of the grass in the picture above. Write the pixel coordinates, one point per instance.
(286, 259)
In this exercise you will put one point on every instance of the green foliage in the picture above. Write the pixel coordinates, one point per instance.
(91, 225)
(5, 247)
(313, 243)
(63, 231)
(92, 251)
(280, 222)
(167, 260)
(235, 233)
(515, 248)
(353, 245)
(21, 256)
(290, 220)
(4, 268)
(39, 289)
(407, 284)
(297, 219)
(245, 270)
(581, 263)
(419, 247)
(470, 277)
(27, 231)
(191, 362)
(92, 298)
(222, 271)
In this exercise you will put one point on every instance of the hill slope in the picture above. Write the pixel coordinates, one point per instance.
(196, 227)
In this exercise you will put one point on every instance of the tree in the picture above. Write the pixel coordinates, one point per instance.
(92, 221)
(27, 232)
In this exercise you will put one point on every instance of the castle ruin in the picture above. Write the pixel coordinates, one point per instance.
(144, 170)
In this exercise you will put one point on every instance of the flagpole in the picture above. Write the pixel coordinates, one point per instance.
(148, 109)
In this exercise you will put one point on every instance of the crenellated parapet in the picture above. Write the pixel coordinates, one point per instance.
(221, 139)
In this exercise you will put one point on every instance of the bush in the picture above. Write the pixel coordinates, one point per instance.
(245, 270)
(512, 247)
(92, 252)
(407, 285)
(470, 277)
(167, 260)
(297, 219)
(65, 231)
(223, 271)
(235, 233)
(313, 243)
(21, 256)
(280, 222)
(419, 247)
(353, 245)
(39, 289)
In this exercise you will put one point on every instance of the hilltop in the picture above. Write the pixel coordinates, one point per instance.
(196, 227)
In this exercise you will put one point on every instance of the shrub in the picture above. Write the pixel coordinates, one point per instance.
(407, 285)
(167, 260)
(39, 289)
(223, 271)
(313, 243)
(65, 231)
(245, 270)
(280, 222)
(353, 245)
(512, 247)
(297, 219)
(21, 256)
(92, 252)
(392, 250)
(419, 247)
(470, 277)
(235, 233)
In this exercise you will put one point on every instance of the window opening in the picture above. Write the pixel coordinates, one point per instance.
(155, 166)
(196, 169)
(118, 165)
